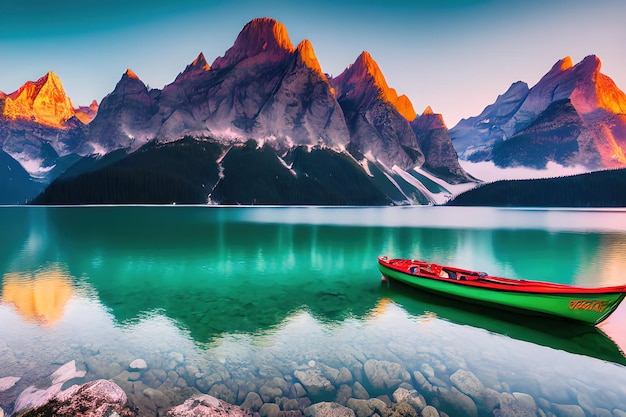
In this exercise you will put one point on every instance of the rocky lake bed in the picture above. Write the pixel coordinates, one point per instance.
(404, 380)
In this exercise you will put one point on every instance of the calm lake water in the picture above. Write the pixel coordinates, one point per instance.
(231, 301)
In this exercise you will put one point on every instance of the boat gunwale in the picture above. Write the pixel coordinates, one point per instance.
(498, 283)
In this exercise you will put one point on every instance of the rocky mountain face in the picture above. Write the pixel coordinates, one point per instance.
(377, 118)
(574, 115)
(39, 125)
(262, 88)
(124, 119)
(440, 157)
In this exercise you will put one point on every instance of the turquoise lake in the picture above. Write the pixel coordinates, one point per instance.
(238, 300)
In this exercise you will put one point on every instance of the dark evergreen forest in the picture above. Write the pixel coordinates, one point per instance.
(595, 189)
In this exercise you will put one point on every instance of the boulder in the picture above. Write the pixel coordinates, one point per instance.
(253, 401)
(32, 397)
(206, 406)
(430, 411)
(411, 397)
(359, 391)
(66, 373)
(269, 410)
(268, 394)
(97, 398)
(385, 375)
(360, 407)
(8, 382)
(137, 365)
(455, 403)
(567, 410)
(328, 409)
(521, 405)
(468, 383)
(314, 382)
(223, 392)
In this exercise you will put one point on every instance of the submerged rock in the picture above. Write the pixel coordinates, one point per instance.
(8, 382)
(314, 382)
(516, 406)
(430, 411)
(137, 365)
(328, 409)
(385, 375)
(66, 373)
(207, 406)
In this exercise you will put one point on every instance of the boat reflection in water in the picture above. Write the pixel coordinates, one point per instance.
(569, 336)
(40, 296)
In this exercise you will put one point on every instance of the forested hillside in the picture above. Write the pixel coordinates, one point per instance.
(595, 189)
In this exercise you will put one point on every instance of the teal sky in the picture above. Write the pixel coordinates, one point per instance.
(455, 55)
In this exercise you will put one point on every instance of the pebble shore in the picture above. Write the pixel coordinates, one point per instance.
(408, 382)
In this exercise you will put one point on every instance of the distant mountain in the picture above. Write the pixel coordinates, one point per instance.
(594, 189)
(43, 101)
(39, 125)
(574, 115)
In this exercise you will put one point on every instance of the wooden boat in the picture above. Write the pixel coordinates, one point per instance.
(588, 305)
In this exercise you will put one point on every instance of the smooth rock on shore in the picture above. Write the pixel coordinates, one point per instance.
(97, 398)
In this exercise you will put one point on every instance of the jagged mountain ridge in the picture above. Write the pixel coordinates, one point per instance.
(267, 89)
(522, 118)
(263, 88)
(39, 125)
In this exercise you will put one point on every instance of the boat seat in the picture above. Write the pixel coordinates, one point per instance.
(451, 274)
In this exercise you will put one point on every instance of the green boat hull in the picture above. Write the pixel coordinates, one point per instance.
(581, 307)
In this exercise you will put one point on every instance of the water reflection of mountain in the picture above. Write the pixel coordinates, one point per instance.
(214, 273)
(214, 277)
(557, 334)
(40, 296)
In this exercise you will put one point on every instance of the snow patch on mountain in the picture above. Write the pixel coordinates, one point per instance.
(489, 172)
(34, 166)
(289, 167)
(418, 185)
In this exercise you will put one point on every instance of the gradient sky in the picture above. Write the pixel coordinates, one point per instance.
(455, 55)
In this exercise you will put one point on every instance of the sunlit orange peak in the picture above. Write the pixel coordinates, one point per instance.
(566, 63)
(43, 101)
(307, 55)
(200, 61)
(405, 107)
(428, 110)
(131, 74)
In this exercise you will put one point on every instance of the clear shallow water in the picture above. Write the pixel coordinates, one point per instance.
(226, 300)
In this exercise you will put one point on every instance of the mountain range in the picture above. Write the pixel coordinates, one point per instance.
(263, 124)
(574, 115)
